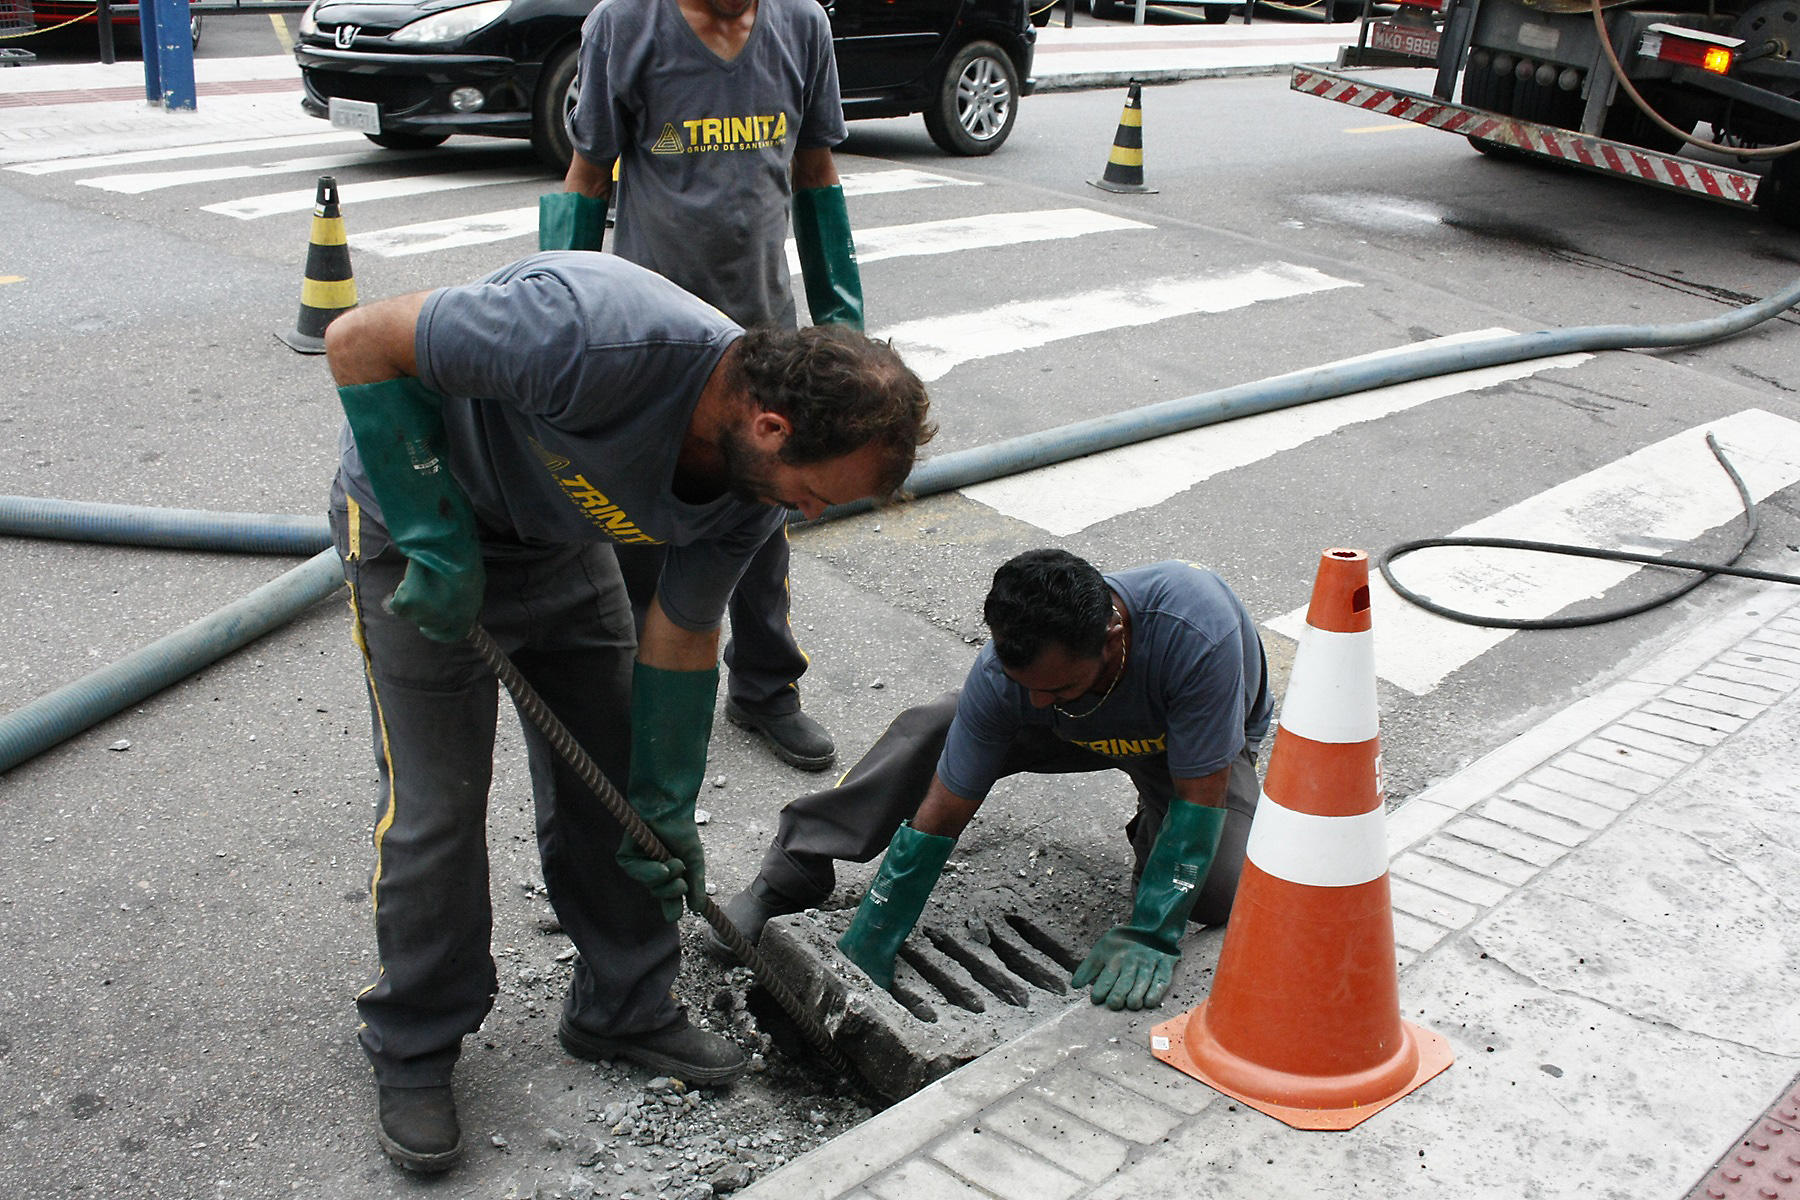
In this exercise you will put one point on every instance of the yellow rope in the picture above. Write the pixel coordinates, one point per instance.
(46, 29)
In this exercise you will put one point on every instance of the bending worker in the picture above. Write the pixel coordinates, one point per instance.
(722, 115)
(499, 436)
(1156, 671)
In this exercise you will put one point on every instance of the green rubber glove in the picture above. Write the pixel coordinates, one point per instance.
(828, 257)
(891, 906)
(1132, 964)
(571, 221)
(398, 425)
(671, 723)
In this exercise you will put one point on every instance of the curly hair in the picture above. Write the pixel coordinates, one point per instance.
(841, 391)
(1042, 597)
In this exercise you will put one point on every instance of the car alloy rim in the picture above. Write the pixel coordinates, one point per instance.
(983, 98)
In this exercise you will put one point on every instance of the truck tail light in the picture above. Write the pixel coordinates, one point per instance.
(1689, 47)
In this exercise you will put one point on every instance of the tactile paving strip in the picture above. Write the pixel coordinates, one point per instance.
(1765, 1164)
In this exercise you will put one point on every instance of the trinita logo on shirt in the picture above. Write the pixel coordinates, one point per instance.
(714, 135)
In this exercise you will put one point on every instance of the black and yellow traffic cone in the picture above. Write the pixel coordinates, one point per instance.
(1125, 168)
(328, 289)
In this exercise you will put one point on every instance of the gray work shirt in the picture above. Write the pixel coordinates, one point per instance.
(1193, 694)
(569, 380)
(706, 144)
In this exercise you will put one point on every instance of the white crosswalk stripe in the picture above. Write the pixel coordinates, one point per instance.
(252, 208)
(957, 234)
(149, 181)
(935, 346)
(480, 228)
(1661, 496)
(126, 158)
(1071, 496)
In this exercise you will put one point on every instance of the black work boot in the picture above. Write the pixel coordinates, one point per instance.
(795, 738)
(418, 1127)
(750, 910)
(689, 1054)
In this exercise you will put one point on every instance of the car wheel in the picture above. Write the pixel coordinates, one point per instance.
(194, 30)
(1104, 9)
(407, 141)
(976, 101)
(552, 106)
(1216, 14)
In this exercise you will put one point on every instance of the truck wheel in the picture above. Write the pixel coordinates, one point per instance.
(1624, 123)
(976, 102)
(1778, 195)
(1104, 10)
(550, 108)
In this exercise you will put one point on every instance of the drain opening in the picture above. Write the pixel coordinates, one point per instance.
(1045, 942)
(1025, 961)
(941, 973)
(911, 1000)
(989, 974)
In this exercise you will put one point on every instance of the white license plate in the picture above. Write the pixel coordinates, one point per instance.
(1404, 39)
(359, 115)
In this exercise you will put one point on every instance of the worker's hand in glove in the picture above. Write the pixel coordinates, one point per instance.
(896, 897)
(671, 723)
(399, 431)
(1126, 971)
(1131, 965)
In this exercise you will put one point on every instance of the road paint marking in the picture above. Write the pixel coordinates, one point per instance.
(935, 346)
(12, 279)
(875, 183)
(1071, 496)
(150, 181)
(1653, 501)
(1392, 127)
(128, 157)
(427, 236)
(872, 244)
(252, 208)
(281, 32)
(977, 233)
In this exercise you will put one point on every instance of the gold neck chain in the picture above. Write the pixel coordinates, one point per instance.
(1124, 657)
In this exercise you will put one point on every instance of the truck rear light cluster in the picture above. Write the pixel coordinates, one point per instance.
(1689, 47)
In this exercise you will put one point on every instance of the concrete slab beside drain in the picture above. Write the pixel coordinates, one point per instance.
(962, 986)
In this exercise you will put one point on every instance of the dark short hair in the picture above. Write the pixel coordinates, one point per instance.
(841, 391)
(1042, 597)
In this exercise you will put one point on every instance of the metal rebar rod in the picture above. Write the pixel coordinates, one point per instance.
(534, 708)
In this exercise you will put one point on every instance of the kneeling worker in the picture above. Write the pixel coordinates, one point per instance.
(1156, 671)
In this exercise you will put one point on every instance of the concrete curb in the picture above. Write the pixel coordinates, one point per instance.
(1078, 1107)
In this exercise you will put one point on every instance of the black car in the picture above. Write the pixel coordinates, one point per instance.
(411, 74)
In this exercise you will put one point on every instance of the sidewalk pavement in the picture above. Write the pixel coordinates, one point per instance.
(1597, 916)
(64, 110)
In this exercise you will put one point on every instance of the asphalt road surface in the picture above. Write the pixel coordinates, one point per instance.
(182, 916)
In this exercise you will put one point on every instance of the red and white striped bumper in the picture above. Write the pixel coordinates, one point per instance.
(1586, 150)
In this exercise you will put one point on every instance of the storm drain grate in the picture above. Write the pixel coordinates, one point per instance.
(960, 989)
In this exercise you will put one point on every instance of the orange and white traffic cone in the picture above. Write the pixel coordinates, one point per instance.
(1303, 1021)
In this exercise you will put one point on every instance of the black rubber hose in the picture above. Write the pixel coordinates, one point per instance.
(1707, 569)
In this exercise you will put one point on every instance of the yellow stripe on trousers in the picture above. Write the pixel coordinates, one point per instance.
(362, 645)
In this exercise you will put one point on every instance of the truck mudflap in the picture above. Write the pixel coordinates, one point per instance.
(1579, 149)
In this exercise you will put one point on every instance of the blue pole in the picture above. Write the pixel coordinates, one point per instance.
(172, 34)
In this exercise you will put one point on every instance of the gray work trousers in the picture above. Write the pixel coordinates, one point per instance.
(562, 617)
(763, 661)
(855, 820)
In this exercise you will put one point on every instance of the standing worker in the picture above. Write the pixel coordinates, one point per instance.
(499, 435)
(1156, 671)
(722, 115)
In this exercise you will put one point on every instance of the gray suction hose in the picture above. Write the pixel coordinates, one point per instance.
(66, 712)
(170, 528)
(44, 722)
(962, 468)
